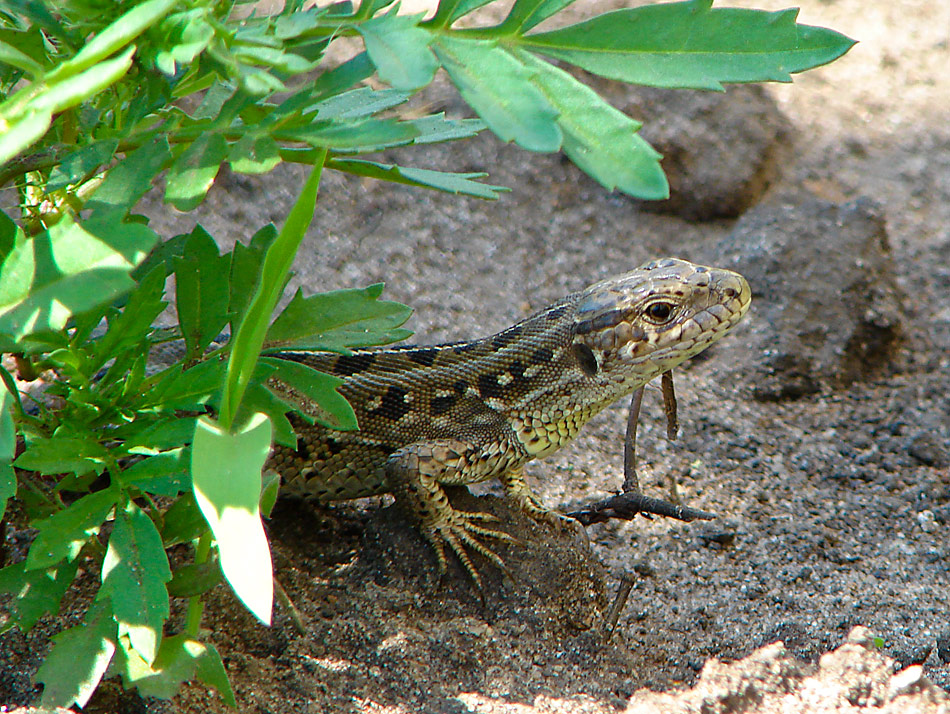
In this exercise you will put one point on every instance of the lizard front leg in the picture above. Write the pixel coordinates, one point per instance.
(414, 473)
(517, 489)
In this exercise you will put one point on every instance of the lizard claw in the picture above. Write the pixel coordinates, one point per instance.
(458, 530)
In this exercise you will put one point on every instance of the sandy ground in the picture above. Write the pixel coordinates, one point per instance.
(820, 499)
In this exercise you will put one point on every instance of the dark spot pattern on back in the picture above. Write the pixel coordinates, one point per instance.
(488, 385)
(542, 355)
(460, 387)
(556, 313)
(347, 365)
(440, 405)
(394, 405)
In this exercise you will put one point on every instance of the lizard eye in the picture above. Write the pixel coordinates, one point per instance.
(659, 312)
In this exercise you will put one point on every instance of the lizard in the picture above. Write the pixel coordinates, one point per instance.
(465, 412)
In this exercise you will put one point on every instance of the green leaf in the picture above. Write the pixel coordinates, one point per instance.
(134, 322)
(313, 393)
(270, 489)
(24, 131)
(202, 291)
(451, 10)
(195, 579)
(400, 50)
(498, 87)
(167, 433)
(70, 91)
(134, 573)
(179, 659)
(36, 592)
(7, 448)
(435, 128)
(525, 14)
(690, 45)
(183, 521)
(360, 137)
(193, 172)
(80, 164)
(130, 179)
(191, 389)
(358, 104)
(79, 658)
(259, 399)
(246, 343)
(226, 475)
(337, 320)
(62, 535)
(164, 474)
(66, 270)
(253, 154)
(62, 454)
(425, 178)
(601, 140)
(246, 270)
(117, 34)
(15, 58)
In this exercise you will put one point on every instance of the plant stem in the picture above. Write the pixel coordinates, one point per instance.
(195, 606)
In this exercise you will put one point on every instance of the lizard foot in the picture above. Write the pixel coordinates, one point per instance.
(461, 531)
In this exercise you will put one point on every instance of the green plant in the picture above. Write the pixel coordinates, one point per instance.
(118, 464)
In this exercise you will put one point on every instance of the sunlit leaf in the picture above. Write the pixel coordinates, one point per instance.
(226, 476)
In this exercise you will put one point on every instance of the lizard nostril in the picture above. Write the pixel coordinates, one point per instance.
(730, 292)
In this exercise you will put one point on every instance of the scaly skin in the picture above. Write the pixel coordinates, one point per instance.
(465, 412)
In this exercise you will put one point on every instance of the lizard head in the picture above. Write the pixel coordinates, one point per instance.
(631, 328)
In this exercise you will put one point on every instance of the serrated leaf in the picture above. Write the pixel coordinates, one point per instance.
(192, 174)
(202, 291)
(498, 87)
(314, 393)
(134, 322)
(134, 573)
(360, 137)
(253, 154)
(259, 399)
(400, 50)
(690, 45)
(337, 320)
(68, 269)
(435, 128)
(179, 659)
(601, 140)
(36, 592)
(425, 178)
(81, 163)
(226, 476)
(79, 658)
(131, 178)
(62, 535)
(164, 474)
(61, 454)
(190, 389)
